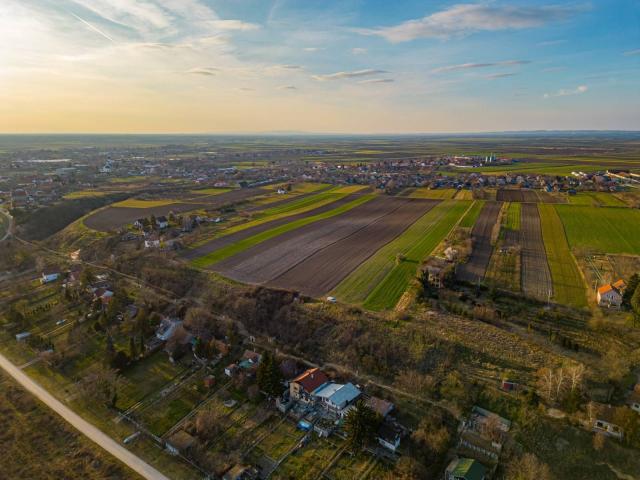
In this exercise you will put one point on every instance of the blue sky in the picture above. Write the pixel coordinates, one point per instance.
(326, 66)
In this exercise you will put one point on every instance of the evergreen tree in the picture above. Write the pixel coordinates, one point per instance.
(361, 424)
(141, 345)
(632, 286)
(110, 349)
(269, 376)
(132, 348)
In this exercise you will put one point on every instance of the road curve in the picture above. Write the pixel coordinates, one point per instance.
(84, 427)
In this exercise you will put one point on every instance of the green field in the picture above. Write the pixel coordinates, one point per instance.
(596, 199)
(437, 194)
(512, 221)
(135, 203)
(246, 243)
(85, 194)
(606, 230)
(471, 216)
(211, 191)
(568, 285)
(380, 281)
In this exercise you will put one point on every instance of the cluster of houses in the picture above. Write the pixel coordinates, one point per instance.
(611, 294)
(158, 234)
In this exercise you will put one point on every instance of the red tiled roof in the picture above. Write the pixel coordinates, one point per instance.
(311, 379)
(605, 288)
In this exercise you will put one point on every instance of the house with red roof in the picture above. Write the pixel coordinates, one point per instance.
(610, 295)
(301, 387)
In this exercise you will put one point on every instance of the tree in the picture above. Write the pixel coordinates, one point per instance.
(133, 353)
(269, 376)
(198, 321)
(361, 424)
(528, 467)
(632, 286)
(208, 424)
(101, 385)
(407, 468)
(635, 304)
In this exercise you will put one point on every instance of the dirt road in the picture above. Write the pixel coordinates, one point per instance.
(84, 427)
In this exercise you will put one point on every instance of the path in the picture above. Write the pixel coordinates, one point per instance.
(84, 427)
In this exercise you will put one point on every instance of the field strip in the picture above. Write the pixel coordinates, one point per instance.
(568, 284)
(324, 269)
(240, 246)
(296, 206)
(536, 279)
(470, 218)
(429, 234)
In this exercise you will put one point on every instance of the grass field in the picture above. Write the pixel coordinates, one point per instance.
(134, 203)
(464, 195)
(438, 194)
(512, 221)
(380, 281)
(85, 194)
(568, 285)
(471, 216)
(211, 191)
(246, 243)
(606, 230)
(596, 199)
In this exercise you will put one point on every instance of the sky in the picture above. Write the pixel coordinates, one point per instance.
(324, 66)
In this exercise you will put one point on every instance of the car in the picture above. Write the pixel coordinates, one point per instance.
(61, 322)
(331, 299)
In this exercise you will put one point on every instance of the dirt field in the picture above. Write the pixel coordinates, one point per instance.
(536, 276)
(475, 269)
(274, 257)
(322, 271)
(223, 241)
(112, 218)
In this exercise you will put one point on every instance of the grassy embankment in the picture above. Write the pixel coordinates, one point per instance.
(568, 285)
(249, 242)
(380, 281)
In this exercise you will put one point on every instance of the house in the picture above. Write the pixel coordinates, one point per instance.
(380, 406)
(179, 442)
(601, 418)
(633, 400)
(49, 275)
(609, 295)
(22, 336)
(230, 369)
(167, 328)
(336, 398)
(436, 271)
(389, 436)
(162, 222)
(483, 435)
(465, 469)
(301, 387)
(140, 223)
(240, 472)
(152, 242)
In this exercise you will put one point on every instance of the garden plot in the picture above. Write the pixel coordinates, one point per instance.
(536, 276)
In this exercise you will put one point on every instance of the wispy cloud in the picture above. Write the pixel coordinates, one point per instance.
(550, 43)
(344, 75)
(312, 49)
(376, 80)
(495, 76)
(287, 87)
(235, 25)
(563, 93)
(632, 52)
(206, 71)
(468, 66)
(359, 51)
(465, 19)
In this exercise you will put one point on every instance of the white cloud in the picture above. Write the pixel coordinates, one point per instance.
(467, 66)
(312, 49)
(632, 52)
(465, 19)
(376, 80)
(359, 51)
(495, 76)
(343, 75)
(287, 87)
(206, 71)
(563, 93)
(235, 25)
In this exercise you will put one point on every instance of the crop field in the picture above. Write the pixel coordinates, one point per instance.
(267, 261)
(568, 285)
(512, 221)
(114, 217)
(469, 219)
(603, 230)
(211, 191)
(481, 237)
(135, 203)
(418, 242)
(536, 276)
(436, 194)
(248, 242)
(86, 193)
(596, 199)
(464, 195)
(504, 270)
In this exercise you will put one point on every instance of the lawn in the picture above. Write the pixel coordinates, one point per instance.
(512, 221)
(606, 230)
(568, 284)
(135, 203)
(249, 242)
(307, 463)
(471, 216)
(437, 194)
(382, 279)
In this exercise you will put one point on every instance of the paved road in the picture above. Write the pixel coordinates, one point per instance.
(103, 440)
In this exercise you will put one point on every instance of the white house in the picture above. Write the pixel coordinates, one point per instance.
(389, 436)
(49, 276)
(162, 222)
(335, 397)
(609, 296)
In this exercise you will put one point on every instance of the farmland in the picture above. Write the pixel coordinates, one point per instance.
(439, 194)
(568, 285)
(536, 277)
(604, 230)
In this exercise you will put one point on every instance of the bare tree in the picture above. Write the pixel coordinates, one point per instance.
(528, 467)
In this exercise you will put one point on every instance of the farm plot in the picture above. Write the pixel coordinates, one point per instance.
(504, 266)
(323, 270)
(435, 194)
(568, 285)
(470, 218)
(604, 230)
(386, 275)
(272, 219)
(596, 199)
(274, 257)
(536, 276)
(114, 217)
(507, 195)
(481, 237)
(246, 243)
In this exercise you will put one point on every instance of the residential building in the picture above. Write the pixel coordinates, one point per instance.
(602, 419)
(336, 398)
(389, 436)
(162, 222)
(609, 295)
(465, 469)
(301, 387)
(49, 275)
